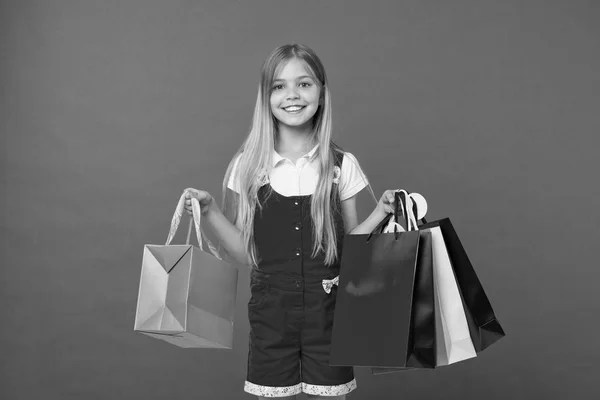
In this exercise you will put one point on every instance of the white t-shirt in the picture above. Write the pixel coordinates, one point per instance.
(300, 179)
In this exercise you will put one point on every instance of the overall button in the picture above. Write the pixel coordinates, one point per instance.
(298, 226)
(296, 202)
(297, 252)
(298, 284)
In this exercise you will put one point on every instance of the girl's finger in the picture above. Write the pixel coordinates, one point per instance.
(390, 196)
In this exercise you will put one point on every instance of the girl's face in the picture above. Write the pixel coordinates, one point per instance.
(295, 95)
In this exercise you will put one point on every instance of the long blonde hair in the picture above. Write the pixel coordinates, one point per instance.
(256, 155)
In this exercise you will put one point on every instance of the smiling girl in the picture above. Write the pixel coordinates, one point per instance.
(293, 195)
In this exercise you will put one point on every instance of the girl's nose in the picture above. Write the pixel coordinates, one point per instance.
(292, 94)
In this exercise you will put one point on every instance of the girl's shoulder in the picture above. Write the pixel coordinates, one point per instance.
(338, 153)
(349, 163)
(344, 159)
(232, 173)
(235, 160)
(350, 178)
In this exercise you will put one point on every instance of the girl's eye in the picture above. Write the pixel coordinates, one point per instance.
(277, 87)
(305, 84)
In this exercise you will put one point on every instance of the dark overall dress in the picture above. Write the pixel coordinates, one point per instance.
(290, 313)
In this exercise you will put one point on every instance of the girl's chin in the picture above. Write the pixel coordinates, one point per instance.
(295, 125)
(301, 117)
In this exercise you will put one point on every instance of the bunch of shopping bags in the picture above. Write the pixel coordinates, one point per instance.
(408, 296)
(186, 296)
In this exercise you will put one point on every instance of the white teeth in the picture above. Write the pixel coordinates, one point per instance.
(292, 108)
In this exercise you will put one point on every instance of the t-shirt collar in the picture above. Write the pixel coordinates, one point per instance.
(277, 158)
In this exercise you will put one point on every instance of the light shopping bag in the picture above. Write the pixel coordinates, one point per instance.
(453, 338)
(186, 296)
(484, 327)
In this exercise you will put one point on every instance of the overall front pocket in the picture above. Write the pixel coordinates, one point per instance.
(258, 294)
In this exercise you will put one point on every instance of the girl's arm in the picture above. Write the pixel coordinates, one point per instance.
(385, 206)
(227, 233)
(370, 223)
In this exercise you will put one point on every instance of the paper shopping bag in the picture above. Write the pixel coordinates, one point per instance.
(186, 296)
(484, 327)
(452, 336)
(372, 321)
(422, 353)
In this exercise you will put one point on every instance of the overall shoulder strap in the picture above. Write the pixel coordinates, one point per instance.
(338, 157)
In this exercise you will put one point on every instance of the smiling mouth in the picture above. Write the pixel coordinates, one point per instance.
(293, 109)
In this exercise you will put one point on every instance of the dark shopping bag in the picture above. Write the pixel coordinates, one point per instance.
(380, 319)
(422, 329)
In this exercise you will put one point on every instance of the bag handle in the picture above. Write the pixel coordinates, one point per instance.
(418, 207)
(195, 219)
(392, 220)
(405, 207)
(408, 209)
(412, 210)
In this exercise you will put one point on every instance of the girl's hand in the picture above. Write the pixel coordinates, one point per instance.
(387, 204)
(204, 198)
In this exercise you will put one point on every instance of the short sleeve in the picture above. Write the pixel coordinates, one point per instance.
(352, 178)
(233, 182)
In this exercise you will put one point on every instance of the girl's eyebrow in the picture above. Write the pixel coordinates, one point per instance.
(298, 78)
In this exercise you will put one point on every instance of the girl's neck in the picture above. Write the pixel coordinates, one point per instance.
(293, 141)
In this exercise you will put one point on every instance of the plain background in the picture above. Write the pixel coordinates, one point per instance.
(109, 109)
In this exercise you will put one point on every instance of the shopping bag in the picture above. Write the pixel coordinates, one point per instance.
(372, 321)
(186, 296)
(422, 348)
(452, 342)
(484, 327)
(453, 337)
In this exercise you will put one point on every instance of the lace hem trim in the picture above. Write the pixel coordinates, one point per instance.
(283, 391)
